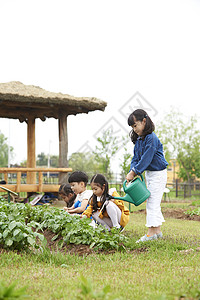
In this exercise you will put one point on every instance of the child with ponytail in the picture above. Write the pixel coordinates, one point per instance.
(149, 157)
(103, 209)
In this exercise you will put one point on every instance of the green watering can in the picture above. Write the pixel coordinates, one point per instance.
(136, 191)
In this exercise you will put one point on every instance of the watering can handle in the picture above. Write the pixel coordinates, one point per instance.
(124, 185)
(125, 182)
(142, 178)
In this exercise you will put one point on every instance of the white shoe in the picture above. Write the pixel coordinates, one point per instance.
(93, 224)
(146, 238)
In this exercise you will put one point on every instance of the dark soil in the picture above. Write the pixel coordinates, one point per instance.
(72, 248)
(81, 250)
(176, 213)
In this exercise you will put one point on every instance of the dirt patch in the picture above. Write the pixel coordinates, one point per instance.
(64, 248)
(81, 250)
(176, 213)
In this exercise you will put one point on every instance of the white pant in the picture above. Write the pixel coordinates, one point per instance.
(114, 214)
(156, 182)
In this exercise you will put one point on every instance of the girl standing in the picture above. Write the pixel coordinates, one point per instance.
(103, 209)
(149, 157)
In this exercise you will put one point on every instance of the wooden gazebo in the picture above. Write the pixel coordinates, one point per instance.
(27, 102)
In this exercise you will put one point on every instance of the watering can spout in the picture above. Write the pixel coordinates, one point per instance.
(126, 198)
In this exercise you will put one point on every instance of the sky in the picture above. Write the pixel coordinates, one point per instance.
(130, 53)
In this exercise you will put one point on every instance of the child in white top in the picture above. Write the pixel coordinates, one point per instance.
(78, 181)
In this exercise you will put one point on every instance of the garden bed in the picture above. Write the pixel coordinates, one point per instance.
(176, 213)
(24, 227)
(81, 250)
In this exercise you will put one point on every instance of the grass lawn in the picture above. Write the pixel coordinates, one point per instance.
(163, 269)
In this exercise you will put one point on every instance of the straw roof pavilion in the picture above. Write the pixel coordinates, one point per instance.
(27, 102)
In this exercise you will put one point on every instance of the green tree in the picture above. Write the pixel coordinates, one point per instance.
(106, 150)
(181, 137)
(23, 163)
(42, 159)
(85, 162)
(126, 158)
(4, 151)
(54, 161)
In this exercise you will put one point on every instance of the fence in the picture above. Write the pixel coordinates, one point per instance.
(185, 189)
(21, 183)
(49, 181)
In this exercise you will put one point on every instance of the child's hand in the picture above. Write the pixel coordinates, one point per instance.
(83, 216)
(130, 176)
(65, 208)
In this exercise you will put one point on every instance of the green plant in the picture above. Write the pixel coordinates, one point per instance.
(14, 232)
(196, 203)
(10, 292)
(88, 292)
(193, 212)
(18, 235)
(18, 220)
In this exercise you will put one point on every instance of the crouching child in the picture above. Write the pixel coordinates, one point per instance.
(102, 208)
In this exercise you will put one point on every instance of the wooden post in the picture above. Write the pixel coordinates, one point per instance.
(40, 181)
(63, 146)
(31, 159)
(6, 177)
(18, 182)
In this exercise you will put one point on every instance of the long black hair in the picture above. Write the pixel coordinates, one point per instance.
(100, 181)
(140, 115)
(65, 189)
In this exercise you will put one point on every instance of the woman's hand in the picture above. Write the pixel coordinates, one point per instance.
(130, 176)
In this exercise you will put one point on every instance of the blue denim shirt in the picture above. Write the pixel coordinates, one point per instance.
(148, 155)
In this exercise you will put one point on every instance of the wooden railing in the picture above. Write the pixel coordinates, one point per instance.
(31, 187)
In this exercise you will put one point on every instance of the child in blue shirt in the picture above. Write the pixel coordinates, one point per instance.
(149, 157)
(78, 181)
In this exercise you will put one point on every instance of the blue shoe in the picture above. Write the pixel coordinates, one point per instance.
(146, 238)
(159, 235)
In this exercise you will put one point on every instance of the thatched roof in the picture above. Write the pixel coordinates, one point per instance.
(19, 101)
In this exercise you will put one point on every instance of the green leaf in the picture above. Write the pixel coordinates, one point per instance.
(40, 236)
(92, 245)
(55, 237)
(9, 242)
(31, 241)
(5, 233)
(16, 231)
(12, 225)
(64, 266)
(106, 289)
